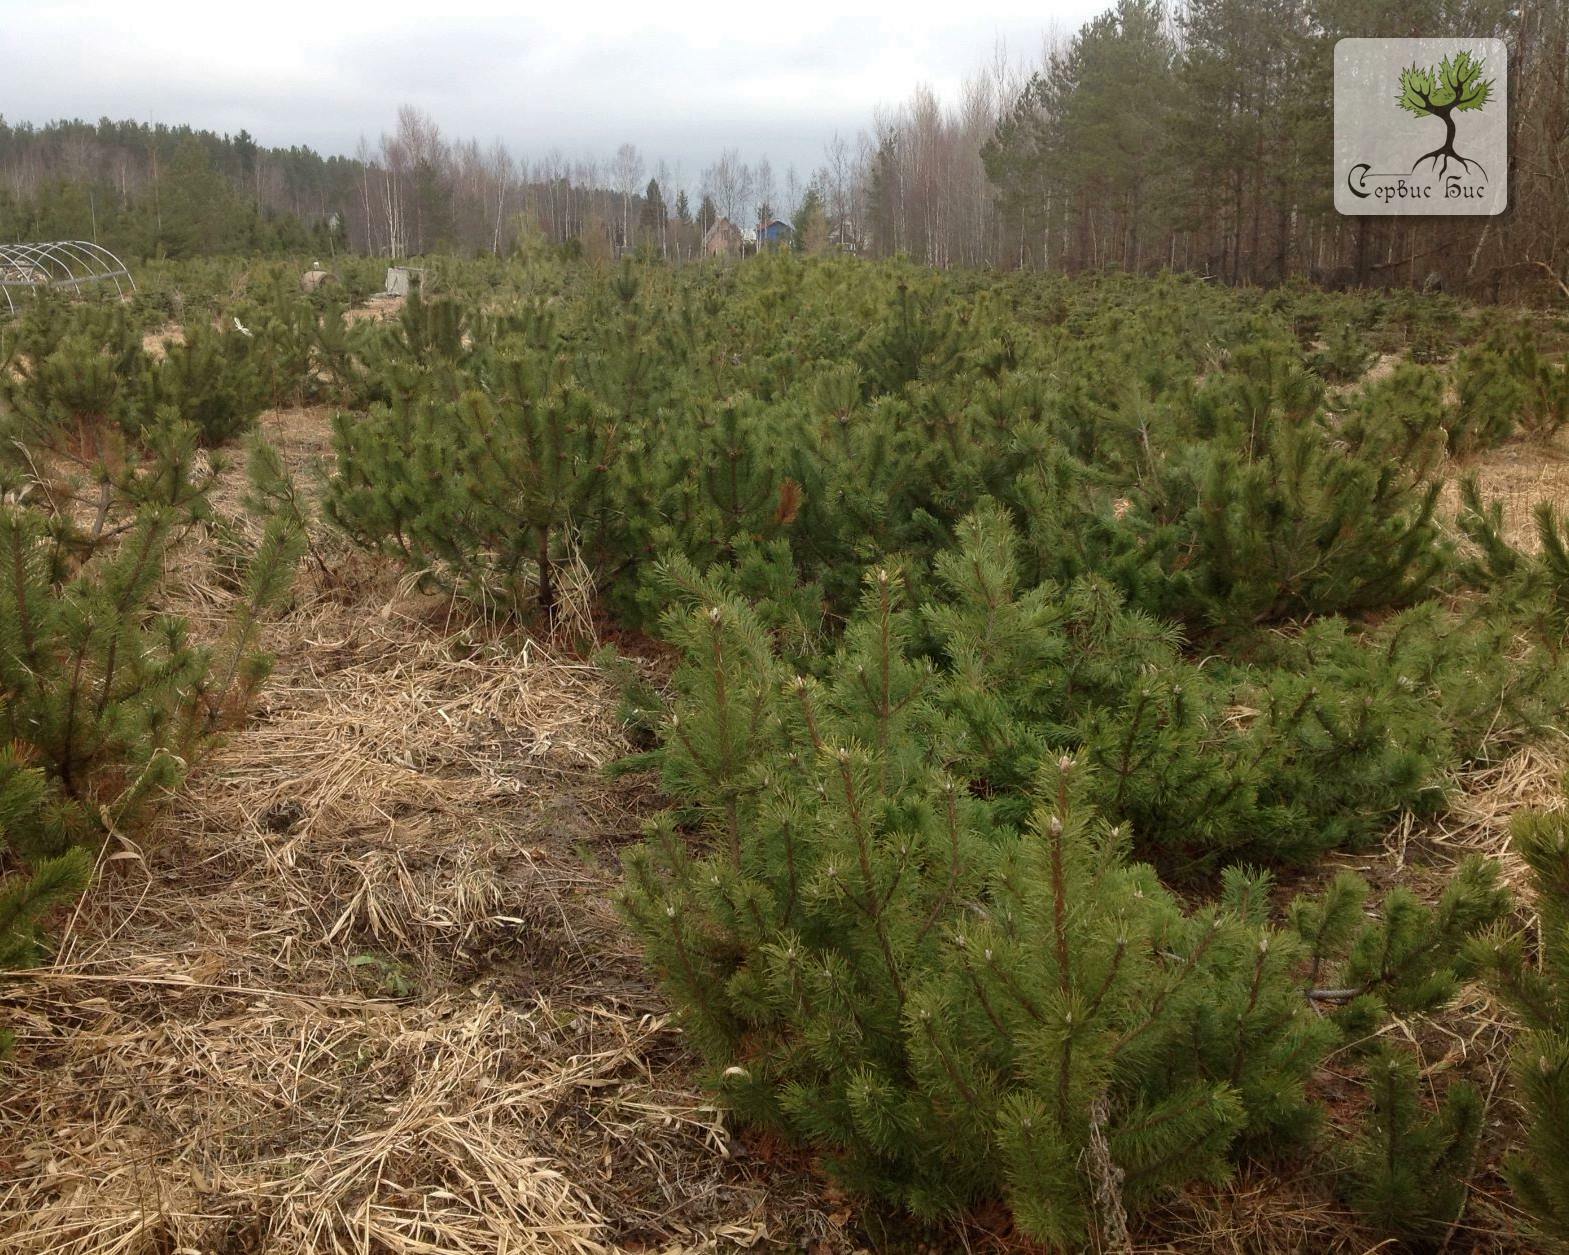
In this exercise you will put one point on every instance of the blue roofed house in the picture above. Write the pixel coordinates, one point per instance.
(778, 234)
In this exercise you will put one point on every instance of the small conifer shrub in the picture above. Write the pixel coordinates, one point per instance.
(896, 904)
(104, 701)
(1530, 972)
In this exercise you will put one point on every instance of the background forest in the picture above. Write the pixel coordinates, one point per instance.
(1191, 138)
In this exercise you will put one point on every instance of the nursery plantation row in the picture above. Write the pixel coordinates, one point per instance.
(1018, 657)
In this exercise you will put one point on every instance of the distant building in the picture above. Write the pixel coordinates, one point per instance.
(401, 280)
(723, 239)
(778, 234)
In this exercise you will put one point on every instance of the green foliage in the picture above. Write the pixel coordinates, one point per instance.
(854, 411)
(78, 371)
(1532, 587)
(110, 697)
(104, 701)
(1344, 357)
(207, 380)
(897, 953)
(1546, 387)
(1531, 974)
(1406, 1172)
(1402, 417)
(1255, 512)
(1490, 399)
(486, 489)
(1457, 83)
(25, 898)
(1410, 960)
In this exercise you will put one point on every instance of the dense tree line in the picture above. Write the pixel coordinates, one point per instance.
(153, 190)
(1199, 138)
(1194, 138)
(149, 189)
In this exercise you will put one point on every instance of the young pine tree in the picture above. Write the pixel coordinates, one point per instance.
(479, 492)
(1534, 982)
(1406, 1172)
(890, 948)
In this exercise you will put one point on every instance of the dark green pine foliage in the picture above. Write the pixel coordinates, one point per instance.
(1530, 972)
(1207, 765)
(1344, 357)
(1402, 417)
(834, 973)
(1238, 503)
(430, 333)
(1406, 1172)
(1489, 398)
(1288, 524)
(892, 949)
(67, 371)
(25, 900)
(110, 697)
(284, 330)
(210, 380)
(1407, 961)
(84, 372)
(1524, 587)
(483, 491)
(1545, 384)
(919, 337)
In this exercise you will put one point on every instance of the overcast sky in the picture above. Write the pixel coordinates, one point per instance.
(679, 80)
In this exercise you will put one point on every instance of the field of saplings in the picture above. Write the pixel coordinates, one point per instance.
(808, 754)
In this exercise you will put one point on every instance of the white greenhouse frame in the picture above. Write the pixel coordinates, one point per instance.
(66, 264)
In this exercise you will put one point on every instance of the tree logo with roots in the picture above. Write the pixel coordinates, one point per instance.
(1455, 86)
(1397, 160)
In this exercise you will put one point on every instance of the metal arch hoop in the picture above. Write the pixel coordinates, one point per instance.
(64, 264)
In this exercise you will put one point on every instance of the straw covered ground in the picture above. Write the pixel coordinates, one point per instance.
(363, 988)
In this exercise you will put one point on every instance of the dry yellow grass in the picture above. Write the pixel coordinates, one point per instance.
(362, 988)
(154, 342)
(1518, 475)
